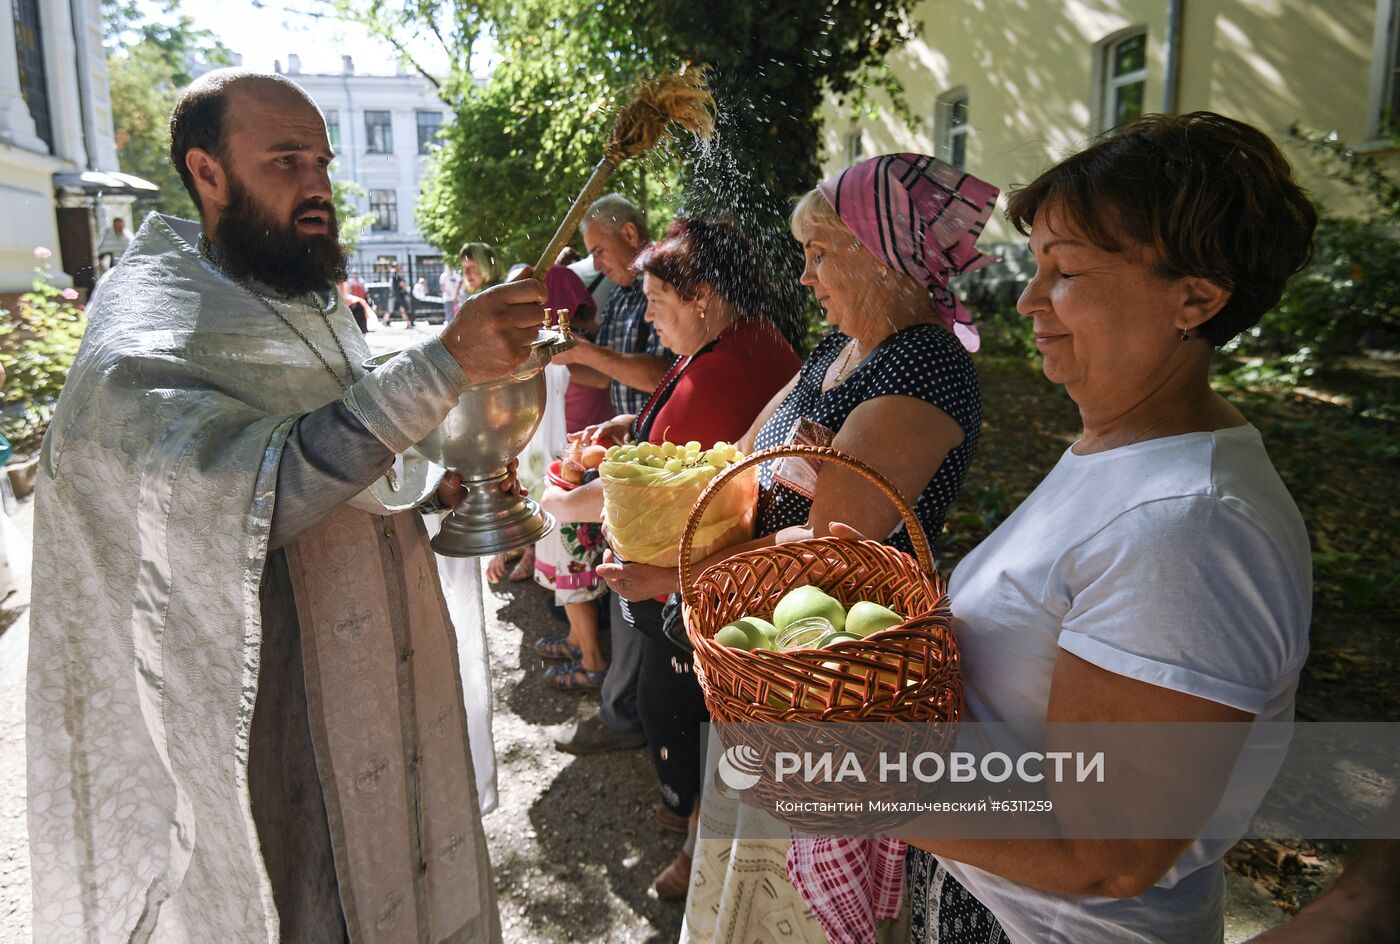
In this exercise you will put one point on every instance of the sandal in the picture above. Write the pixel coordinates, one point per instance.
(572, 676)
(558, 647)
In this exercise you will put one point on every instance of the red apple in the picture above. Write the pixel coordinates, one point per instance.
(593, 456)
(571, 472)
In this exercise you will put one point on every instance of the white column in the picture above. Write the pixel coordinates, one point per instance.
(65, 99)
(16, 124)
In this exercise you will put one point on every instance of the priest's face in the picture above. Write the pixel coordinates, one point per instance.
(277, 223)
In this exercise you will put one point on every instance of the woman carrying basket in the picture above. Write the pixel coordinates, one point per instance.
(892, 384)
(1161, 571)
(706, 297)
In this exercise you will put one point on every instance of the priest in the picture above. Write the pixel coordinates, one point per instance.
(244, 705)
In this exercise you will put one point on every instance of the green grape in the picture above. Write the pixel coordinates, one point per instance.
(674, 465)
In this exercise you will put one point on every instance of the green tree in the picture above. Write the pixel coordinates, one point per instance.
(351, 222)
(149, 64)
(523, 142)
(1347, 299)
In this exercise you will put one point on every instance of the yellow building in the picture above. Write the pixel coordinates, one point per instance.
(1005, 87)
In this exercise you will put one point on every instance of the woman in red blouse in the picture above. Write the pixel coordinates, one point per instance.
(707, 297)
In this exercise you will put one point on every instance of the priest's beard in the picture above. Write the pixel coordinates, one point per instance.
(254, 245)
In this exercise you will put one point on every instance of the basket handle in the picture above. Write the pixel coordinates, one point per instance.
(922, 551)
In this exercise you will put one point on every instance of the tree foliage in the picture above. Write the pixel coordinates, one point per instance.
(349, 220)
(1348, 298)
(149, 63)
(524, 140)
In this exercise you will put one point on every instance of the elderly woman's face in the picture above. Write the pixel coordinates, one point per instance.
(1106, 323)
(677, 321)
(844, 277)
(471, 273)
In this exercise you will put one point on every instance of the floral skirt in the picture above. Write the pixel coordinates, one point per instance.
(941, 910)
(566, 561)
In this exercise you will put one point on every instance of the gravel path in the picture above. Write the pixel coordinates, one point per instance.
(573, 842)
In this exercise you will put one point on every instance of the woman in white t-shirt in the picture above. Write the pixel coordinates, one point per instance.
(1160, 572)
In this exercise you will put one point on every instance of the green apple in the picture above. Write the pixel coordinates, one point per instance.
(802, 602)
(866, 618)
(734, 636)
(769, 631)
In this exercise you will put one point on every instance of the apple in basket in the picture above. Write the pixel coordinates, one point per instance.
(805, 602)
(866, 617)
(747, 633)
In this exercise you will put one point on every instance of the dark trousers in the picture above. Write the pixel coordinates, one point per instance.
(619, 695)
(672, 710)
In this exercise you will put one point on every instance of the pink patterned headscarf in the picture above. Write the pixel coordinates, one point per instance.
(921, 217)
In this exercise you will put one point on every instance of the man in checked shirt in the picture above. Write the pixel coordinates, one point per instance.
(626, 355)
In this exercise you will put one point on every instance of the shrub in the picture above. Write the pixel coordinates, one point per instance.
(38, 343)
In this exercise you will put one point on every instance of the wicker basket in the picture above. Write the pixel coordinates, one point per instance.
(909, 672)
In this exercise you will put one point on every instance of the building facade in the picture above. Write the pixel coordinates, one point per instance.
(58, 153)
(1004, 88)
(382, 128)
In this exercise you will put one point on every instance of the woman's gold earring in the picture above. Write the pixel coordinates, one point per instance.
(1185, 335)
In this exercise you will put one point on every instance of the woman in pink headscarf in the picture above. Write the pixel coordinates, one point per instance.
(893, 382)
(893, 385)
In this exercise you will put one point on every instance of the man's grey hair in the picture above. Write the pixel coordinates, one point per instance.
(613, 210)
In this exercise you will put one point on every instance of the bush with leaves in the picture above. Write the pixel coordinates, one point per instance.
(1347, 300)
(38, 343)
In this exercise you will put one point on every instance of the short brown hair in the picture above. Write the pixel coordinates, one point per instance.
(198, 119)
(1212, 196)
(710, 252)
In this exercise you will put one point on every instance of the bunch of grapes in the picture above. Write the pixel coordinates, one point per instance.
(636, 460)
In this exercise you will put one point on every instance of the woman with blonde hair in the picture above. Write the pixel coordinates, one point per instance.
(893, 385)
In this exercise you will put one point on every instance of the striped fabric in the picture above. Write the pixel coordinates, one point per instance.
(921, 217)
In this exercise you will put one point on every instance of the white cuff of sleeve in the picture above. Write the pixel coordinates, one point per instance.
(404, 400)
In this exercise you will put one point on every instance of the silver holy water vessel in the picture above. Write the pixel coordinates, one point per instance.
(490, 425)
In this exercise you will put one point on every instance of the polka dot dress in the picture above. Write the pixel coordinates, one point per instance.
(941, 911)
(922, 361)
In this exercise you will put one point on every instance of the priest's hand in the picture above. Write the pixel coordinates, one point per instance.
(491, 333)
(451, 492)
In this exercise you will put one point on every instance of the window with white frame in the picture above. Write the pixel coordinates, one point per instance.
(333, 128)
(429, 124)
(379, 132)
(952, 126)
(33, 73)
(855, 148)
(384, 205)
(1124, 79)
